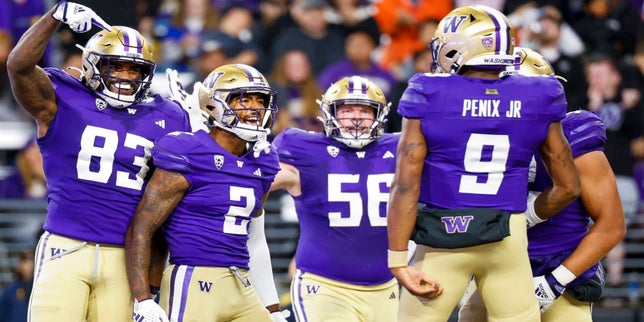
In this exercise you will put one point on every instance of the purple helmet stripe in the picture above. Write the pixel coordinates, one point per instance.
(132, 40)
(356, 83)
(497, 33)
(252, 73)
(517, 59)
(126, 39)
(502, 31)
(139, 44)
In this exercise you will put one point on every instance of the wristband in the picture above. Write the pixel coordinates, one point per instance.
(154, 290)
(563, 275)
(396, 258)
(530, 214)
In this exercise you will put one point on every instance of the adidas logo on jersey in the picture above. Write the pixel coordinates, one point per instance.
(160, 123)
(131, 111)
(388, 155)
(258, 172)
(392, 296)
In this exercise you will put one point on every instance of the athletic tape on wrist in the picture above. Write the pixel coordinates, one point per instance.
(563, 275)
(531, 214)
(396, 258)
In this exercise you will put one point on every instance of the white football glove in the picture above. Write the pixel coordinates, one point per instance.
(530, 215)
(78, 17)
(280, 316)
(148, 311)
(547, 288)
(189, 102)
(261, 146)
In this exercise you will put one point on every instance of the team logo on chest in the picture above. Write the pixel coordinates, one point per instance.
(219, 161)
(100, 104)
(333, 151)
(361, 154)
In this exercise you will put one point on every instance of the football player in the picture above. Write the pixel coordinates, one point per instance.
(564, 252)
(206, 190)
(467, 141)
(95, 135)
(340, 182)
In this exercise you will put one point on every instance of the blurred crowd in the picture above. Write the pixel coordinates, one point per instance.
(303, 46)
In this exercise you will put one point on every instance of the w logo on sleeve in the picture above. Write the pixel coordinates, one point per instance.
(456, 224)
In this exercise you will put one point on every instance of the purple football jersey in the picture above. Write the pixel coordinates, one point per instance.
(209, 227)
(343, 206)
(480, 136)
(96, 159)
(585, 133)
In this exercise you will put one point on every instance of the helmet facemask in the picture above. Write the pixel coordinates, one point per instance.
(236, 120)
(105, 79)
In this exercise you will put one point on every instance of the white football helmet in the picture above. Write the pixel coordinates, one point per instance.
(234, 80)
(121, 44)
(354, 90)
(472, 36)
